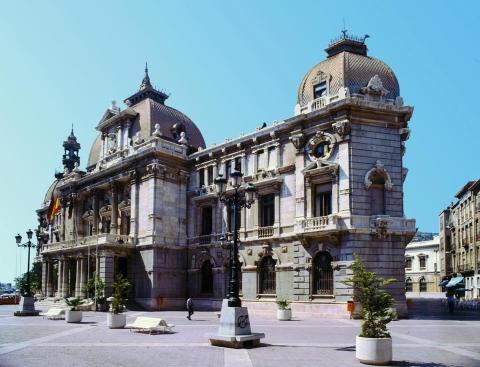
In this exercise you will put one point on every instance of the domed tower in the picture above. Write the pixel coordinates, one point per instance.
(354, 129)
(345, 72)
(70, 156)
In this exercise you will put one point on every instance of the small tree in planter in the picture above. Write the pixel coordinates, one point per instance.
(284, 312)
(374, 344)
(73, 314)
(115, 318)
(95, 288)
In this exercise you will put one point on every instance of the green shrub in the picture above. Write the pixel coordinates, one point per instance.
(120, 288)
(73, 303)
(376, 303)
(283, 304)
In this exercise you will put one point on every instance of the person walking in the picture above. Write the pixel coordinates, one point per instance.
(189, 308)
(451, 302)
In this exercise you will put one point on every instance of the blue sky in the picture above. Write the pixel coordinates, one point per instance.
(229, 66)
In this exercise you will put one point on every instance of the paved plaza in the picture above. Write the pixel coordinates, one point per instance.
(432, 339)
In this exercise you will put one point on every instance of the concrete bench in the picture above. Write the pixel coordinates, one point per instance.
(150, 325)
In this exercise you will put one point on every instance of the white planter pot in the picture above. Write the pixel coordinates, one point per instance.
(73, 316)
(284, 315)
(116, 321)
(376, 351)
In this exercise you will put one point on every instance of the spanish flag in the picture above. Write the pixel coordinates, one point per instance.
(53, 209)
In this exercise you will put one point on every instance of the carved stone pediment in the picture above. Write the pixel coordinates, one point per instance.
(320, 169)
(124, 205)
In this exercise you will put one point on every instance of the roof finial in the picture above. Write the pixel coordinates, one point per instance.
(72, 130)
(146, 79)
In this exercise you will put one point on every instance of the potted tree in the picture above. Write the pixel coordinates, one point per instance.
(116, 319)
(94, 288)
(284, 312)
(73, 314)
(374, 344)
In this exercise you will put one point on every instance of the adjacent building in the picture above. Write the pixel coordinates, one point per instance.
(329, 184)
(422, 266)
(460, 239)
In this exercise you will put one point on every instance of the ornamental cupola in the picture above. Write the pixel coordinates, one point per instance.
(71, 147)
(145, 91)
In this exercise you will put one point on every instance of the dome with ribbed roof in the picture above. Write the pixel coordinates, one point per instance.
(347, 65)
(153, 116)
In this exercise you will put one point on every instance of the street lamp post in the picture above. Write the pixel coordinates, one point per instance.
(234, 330)
(27, 306)
(240, 198)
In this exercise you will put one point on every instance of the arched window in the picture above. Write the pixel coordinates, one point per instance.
(408, 285)
(267, 281)
(422, 283)
(322, 274)
(207, 277)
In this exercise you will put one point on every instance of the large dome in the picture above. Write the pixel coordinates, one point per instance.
(347, 66)
(149, 106)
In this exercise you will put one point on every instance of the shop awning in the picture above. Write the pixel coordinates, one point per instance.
(443, 283)
(454, 282)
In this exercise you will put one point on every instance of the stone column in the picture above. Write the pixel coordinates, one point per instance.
(44, 277)
(65, 282)
(49, 285)
(63, 235)
(60, 278)
(83, 276)
(106, 271)
(102, 155)
(114, 223)
(78, 274)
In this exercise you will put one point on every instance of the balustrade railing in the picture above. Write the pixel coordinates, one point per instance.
(264, 232)
(313, 224)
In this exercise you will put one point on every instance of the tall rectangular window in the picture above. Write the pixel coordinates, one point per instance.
(262, 160)
(207, 221)
(228, 169)
(267, 210)
(201, 177)
(272, 158)
(408, 262)
(210, 175)
(323, 200)
(422, 262)
(238, 164)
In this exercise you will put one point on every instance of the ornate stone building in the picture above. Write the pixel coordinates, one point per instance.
(460, 239)
(329, 182)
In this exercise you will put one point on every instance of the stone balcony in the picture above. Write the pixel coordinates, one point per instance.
(315, 224)
(266, 232)
(206, 239)
(103, 240)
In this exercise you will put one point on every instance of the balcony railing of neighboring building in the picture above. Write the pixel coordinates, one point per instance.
(98, 239)
(265, 232)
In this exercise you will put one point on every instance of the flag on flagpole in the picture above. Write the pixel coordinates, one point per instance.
(53, 209)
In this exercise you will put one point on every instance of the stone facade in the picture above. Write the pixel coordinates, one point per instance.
(460, 238)
(422, 265)
(329, 184)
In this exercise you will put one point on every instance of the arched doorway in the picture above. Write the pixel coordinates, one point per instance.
(322, 274)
